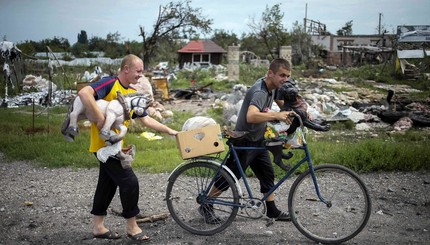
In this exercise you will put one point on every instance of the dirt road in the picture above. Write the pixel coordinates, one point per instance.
(51, 206)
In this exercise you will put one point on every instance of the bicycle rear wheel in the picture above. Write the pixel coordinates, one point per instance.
(186, 196)
(350, 204)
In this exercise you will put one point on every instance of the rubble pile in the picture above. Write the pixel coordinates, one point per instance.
(365, 107)
(36, 90)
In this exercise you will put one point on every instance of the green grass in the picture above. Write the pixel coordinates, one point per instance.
(34, 136)
(373, 155)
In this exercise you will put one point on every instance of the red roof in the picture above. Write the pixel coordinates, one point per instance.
(201, 46)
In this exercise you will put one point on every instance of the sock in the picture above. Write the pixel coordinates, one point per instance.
(272, 210)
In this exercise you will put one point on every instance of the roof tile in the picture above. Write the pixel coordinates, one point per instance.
(201, 46)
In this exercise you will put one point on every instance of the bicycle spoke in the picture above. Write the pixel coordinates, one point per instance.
(349, 210)
(190, 205)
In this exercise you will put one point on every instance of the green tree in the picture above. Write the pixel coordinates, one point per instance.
(224, 39)
(82, 37)
(27, 47)
(133, 47)
(80, 50)
(251, 42)
(301, 44)
(114, 48)
(57, 44)
(346, 30)
(97, 44)
(167, 51)
(271, 30)
(174, 20)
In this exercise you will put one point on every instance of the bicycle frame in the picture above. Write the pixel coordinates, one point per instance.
(204, 195)
(233, 151)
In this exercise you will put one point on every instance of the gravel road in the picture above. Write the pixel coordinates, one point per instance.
(51, 206)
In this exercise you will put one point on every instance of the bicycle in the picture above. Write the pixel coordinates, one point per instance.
(327, 203)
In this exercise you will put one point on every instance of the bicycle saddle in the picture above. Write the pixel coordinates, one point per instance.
(234, 134)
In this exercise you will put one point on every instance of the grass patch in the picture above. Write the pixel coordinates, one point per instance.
(34, 135)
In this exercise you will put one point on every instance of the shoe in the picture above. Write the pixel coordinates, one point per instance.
(208, 214)
(283, 216)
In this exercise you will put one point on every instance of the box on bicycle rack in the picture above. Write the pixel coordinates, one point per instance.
(199, 142)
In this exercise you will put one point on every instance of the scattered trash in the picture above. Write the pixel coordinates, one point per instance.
(150, 136)
(28, 203)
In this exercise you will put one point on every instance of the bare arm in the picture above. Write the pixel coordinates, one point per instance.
(156, 125)
(86, 95)
(255, 116)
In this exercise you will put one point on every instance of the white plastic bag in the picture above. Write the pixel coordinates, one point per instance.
(295, 139)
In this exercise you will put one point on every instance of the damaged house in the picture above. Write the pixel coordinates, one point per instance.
(413, 51)
(354, 49)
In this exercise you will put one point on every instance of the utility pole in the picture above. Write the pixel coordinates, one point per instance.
(306, 16)
(379, 25)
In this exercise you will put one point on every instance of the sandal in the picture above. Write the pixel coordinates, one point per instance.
(139, 237)
(108, 235)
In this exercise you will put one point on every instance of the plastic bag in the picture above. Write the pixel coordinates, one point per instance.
(295, 139)
(276, 131)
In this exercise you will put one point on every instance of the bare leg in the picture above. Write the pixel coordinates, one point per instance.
(214, 192)
(134, 232)
(132, 227)
(271, 197)
(98, 225)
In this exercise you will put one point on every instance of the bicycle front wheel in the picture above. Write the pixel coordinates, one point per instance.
(346, 213)
(190, 204)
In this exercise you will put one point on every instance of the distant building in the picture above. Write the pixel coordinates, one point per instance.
(413, 50)
(202, 52)
(61, 55)
(354, 49)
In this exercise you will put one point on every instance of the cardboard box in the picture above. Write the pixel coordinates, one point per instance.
(199, 142)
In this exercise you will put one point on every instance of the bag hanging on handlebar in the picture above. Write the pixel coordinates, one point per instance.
(276, 132)
(295, 139)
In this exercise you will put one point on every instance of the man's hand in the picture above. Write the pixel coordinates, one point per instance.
(285, 116)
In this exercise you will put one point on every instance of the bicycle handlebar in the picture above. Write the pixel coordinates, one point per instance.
(280, 162)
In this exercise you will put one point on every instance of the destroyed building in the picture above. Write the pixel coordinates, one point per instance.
(354, 49)
(413, 51)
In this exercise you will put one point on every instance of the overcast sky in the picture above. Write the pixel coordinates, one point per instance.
(41, 19)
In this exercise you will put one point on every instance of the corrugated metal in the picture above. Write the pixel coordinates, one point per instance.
(410, 54)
